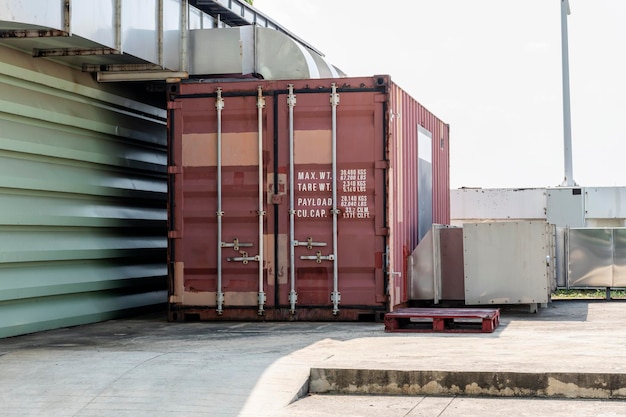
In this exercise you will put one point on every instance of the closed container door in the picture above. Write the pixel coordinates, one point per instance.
(284, 203)
(241, 251)
(313, 182)
(224, 217)
(334, 263)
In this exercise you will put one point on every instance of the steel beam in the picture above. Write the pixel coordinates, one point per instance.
(27, 34)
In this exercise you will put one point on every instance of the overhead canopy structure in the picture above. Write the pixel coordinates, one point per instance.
(137, 40)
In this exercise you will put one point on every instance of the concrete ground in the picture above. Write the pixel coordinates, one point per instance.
(146, 366)
(379, 406)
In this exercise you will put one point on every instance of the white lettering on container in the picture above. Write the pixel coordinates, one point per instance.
(352, 188)
(354, 202)
(311, 213)
(315, 202)
(309, 185)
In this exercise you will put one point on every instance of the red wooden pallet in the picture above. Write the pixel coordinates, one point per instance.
(449, 320)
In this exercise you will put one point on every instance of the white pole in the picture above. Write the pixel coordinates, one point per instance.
(567, 119)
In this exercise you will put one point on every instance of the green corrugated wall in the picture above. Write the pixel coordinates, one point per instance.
(82, 198)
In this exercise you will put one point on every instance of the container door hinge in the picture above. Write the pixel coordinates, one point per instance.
(381, 165)
(261, 301)
(220, 302)
(381, 98)
(335, 298)
(293, 300)
(174, 234)
(382, 231)
(334, 98)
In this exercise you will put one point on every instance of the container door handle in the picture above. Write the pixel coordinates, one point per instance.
(235, 244)
(318, 257)
(309, 243)
(244, 258)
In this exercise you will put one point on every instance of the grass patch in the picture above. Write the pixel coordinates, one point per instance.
(588, 294)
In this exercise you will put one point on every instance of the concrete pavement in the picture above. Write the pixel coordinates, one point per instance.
(146, 366)
(420, 406)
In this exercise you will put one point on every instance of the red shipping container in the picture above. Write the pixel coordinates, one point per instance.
(299, 199)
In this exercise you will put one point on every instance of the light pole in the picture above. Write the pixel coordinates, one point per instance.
(567, 118)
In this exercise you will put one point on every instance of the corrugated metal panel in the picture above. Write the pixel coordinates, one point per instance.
(83, 191)
(407, 118)
(377, 197)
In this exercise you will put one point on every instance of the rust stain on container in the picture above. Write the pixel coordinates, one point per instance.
(391, 180)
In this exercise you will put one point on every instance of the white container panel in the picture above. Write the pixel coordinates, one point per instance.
(497, 204)
(95, 20)
(45, 13)
(208, 21)
(566, 207)
(140, 29)
(605, 203)
(172, 33)
(507, 262)
(195, 18)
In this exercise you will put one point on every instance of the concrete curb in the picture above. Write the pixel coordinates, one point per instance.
(494, 384)
(302, 391)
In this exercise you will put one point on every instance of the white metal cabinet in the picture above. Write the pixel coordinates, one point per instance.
(508, 262)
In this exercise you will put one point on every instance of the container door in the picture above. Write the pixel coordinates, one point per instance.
(335, 264)
(241, 205)
(224, 203)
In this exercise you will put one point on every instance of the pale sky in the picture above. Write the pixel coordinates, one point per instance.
(492, 70)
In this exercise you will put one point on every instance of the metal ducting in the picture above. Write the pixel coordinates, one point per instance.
(99, 35)
(140, 40)
(239, 13)
(253, 50)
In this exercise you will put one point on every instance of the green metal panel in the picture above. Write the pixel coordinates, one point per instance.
(82, 198)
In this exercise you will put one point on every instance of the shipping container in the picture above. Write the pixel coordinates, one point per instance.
(299, 199)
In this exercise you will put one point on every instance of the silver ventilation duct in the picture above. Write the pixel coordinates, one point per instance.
(124, 40)
(253, 50)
